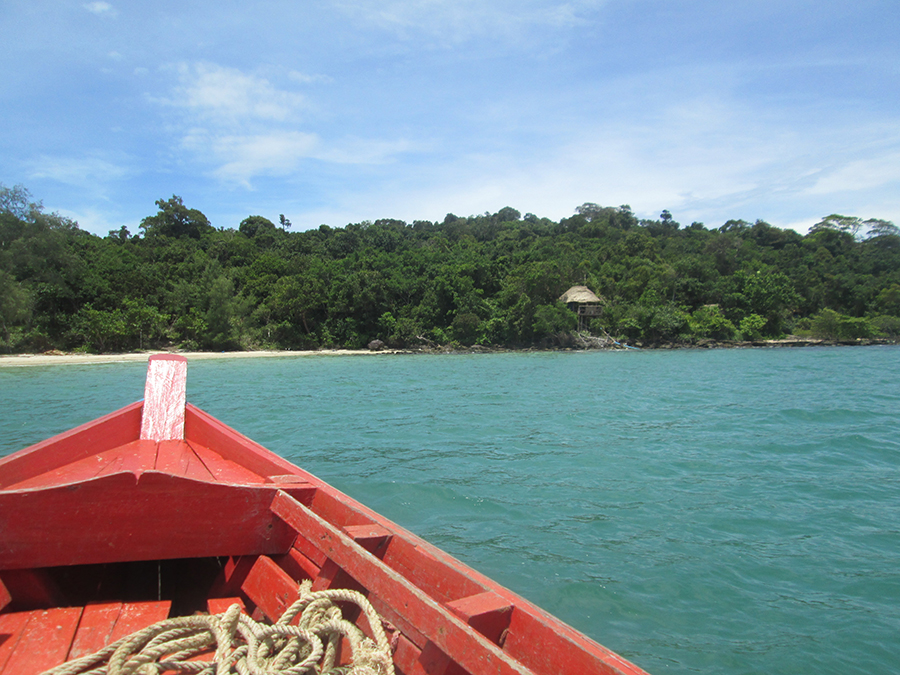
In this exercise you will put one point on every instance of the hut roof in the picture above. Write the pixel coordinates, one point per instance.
(579, 294)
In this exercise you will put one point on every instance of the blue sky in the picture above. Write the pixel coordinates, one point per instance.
(338, 111)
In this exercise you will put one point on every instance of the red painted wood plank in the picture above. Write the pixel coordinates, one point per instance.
(487, 612)
(406, 658)
(469, 648)
(270, 588)
(224, 470)
(136, 616)
(44, 642)
(179, 459)
(374, 538)
(164, 398)
(11, 627)
(297, 565)
(119, 518)
(204, 429)
(309, 550)
(94, 629)
(221, 605)
(559, 643)
(100, 435)
(135, 457)
(337, 510)
(433, 575)
(83, 469)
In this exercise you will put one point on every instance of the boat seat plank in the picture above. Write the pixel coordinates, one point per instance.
(179, 459)
(43, 641)
(449, 633)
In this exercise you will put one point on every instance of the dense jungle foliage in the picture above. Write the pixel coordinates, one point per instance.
(492, 279)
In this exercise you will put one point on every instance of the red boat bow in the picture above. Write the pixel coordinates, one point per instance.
(160, 507)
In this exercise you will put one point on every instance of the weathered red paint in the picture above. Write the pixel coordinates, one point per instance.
(164, 398)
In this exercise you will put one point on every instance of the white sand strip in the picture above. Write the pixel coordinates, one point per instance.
(87, 359)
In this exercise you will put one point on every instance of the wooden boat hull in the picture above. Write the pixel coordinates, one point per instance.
(106, 529)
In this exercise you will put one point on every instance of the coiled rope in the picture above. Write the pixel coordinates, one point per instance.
(243, 646)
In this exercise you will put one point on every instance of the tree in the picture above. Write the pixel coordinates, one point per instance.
(145, 320)
(849, 224)
(252, 226)
(100, 329)
(285, 223)
(709, 322)
(16, 201)
(176, 220)
(880, 228)
(507, 215)
(589, 210)
(15, 305)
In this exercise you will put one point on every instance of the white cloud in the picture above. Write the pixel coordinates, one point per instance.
(100, 8)
(241, 158)
(453, 21)
(227, 96)
(247, 127)
(86, 172)
(863, 174)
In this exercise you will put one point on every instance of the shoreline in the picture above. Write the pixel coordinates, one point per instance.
(69, 358)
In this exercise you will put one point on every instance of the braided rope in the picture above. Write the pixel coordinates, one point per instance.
(245, 647)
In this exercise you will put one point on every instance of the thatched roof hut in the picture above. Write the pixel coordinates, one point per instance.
(584, 302)
(579, 295)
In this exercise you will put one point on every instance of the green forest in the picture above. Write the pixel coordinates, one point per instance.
(491, 279)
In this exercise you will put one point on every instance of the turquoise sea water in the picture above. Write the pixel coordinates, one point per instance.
(733, 511)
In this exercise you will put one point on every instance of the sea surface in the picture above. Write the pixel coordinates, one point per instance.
(728, 511)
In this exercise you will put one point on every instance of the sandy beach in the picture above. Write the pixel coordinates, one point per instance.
(18, 360)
